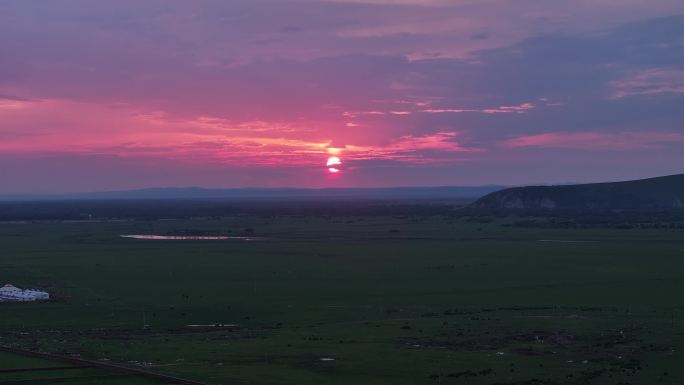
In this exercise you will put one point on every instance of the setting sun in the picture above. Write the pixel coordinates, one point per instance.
(333, 164)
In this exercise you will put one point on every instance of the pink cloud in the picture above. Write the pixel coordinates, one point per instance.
(446, 110)
(596, 140)
(518, 109)
(362, 113)
(428, 149)
(649, 82)
(10, 104)
(60, 126)
(86, 129)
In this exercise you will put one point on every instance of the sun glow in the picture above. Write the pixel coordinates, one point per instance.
(333, 164)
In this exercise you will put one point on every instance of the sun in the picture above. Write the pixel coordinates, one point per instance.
(333, 164)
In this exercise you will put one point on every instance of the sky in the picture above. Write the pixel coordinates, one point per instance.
(110, 95)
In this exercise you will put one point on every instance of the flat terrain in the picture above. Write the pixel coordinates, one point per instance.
(354, 300)
(19, 369)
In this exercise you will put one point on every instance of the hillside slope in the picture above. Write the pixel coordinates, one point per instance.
(666, 192)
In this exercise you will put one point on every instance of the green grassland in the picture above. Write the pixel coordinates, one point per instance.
(15, 369)
(392, 300)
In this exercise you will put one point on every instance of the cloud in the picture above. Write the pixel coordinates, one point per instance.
(518, 109)
(440, 147)
(120, 131)
(597, 140)
(650, 82)
(11, 102)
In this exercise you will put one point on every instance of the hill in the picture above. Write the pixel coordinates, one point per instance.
(661, 193)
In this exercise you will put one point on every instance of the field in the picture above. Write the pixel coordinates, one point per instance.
(419, 299)
(19, 369)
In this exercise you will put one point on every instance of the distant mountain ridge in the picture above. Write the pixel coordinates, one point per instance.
(447, 192)
(660, 193)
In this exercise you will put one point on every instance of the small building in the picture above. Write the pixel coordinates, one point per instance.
(11, 293)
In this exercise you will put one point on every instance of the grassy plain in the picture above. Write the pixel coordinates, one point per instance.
(391, 300)
(17, 369)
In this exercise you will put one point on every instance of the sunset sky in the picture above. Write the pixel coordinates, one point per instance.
(106, 95)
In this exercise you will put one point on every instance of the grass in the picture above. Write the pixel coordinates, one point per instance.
(12, 368)
(393, 300)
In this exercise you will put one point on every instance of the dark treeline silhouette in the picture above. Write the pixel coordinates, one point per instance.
(455, 209)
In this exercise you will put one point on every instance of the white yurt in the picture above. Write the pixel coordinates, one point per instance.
(10, 292)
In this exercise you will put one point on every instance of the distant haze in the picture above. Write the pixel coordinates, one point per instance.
(129, 94)
(268, 194)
